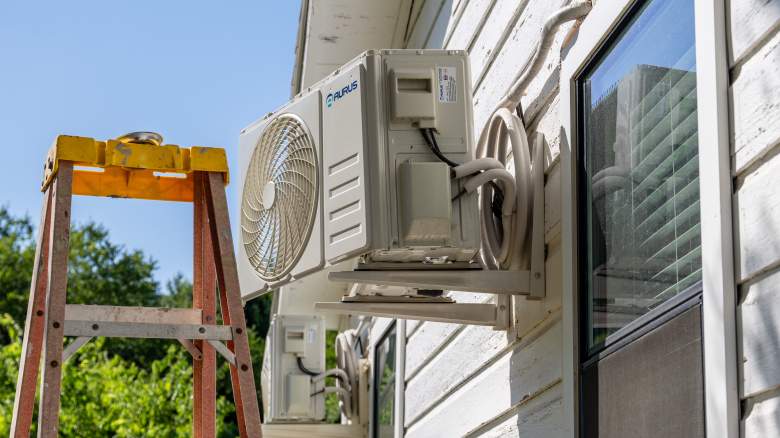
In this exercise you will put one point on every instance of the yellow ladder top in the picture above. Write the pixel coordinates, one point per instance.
(126, 169)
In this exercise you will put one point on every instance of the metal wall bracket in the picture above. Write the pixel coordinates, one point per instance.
(461, 313)
(470, 280)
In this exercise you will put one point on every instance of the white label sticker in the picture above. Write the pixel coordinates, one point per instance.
(448, 85)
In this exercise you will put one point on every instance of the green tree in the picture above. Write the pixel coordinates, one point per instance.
(10, 352)
(332, 409)
(17, 251)
(179, 292)
(99, 272)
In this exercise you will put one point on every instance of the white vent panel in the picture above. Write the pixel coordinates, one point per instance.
(344, 165)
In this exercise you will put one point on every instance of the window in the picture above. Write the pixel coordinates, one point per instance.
(638, 173)
(384, 385)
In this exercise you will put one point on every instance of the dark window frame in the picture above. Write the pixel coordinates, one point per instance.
(664, 312)
(390, 331)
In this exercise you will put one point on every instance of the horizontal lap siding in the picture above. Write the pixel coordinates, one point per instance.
(757, 229)
(451, 368)
(757, 219)
(762, 419)
(489, 34)
(510, 58)
(755, 102)
(759, 323)
(756, 105)
(512, 377)
(535, 416)
(750, 23)
(474, 381)
(411, 327)
(475, 12)
(430, 337)
(469, 380)
(473, 346)
(378, 328)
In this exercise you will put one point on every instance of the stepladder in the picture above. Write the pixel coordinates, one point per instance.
(137, 165)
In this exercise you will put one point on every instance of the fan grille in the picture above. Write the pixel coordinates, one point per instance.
(280, 197)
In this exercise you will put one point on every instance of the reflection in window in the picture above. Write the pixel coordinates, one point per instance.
(640, 174)
(384, 386)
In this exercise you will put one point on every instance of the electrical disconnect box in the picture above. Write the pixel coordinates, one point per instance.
(297, 352)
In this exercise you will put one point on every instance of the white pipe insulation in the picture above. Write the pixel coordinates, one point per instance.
(503, 135)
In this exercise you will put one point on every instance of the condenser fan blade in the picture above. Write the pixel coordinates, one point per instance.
(280, 197)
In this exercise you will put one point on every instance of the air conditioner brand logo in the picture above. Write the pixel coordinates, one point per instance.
(331, 98)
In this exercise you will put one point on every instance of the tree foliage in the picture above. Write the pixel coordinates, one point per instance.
(17, 251)
(112, 387)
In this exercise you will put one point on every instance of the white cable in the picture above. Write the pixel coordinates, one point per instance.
(474, 166)
(505, 134)
(507, 181)
(347, 361)
(502, 175)
(571, 12)
(504, 250)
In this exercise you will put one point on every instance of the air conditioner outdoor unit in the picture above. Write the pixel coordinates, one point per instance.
(344, 171)
(291, 388)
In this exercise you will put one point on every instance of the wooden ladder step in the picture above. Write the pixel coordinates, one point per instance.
(143, 330)
(148, 315)
(141, 322)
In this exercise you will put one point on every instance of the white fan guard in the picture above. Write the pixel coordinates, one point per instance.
(280, 197)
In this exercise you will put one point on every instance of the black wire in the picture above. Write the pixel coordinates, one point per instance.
(497, 208)
(434, 146)
(304, 369)
(497, 203)
(519, 112)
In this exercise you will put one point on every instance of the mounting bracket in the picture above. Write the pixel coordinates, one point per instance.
(495, 315)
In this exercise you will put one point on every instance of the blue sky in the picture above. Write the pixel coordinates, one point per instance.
(195, 71)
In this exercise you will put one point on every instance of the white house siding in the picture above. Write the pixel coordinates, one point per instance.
(471, 380)
(755, 100)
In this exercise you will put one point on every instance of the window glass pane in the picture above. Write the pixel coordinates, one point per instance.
(640, 168)
(384, 384)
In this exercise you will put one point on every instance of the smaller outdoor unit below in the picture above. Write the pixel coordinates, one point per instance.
(344, 172)
(296, 357)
